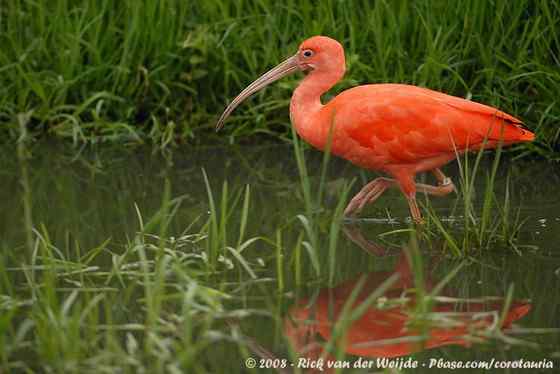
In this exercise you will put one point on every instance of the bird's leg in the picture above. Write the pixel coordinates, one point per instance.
(371, 192)
(368, 194)
(414, 210)
(441, 190)
(445, 186)
(442, 179)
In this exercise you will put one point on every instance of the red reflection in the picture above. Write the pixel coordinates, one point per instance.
(388, 331)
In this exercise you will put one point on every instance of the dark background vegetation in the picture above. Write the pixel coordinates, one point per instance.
(161, 71)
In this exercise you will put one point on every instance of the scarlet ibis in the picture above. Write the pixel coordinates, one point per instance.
(397, 129)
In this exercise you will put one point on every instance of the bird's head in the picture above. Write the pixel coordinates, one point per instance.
(318, 54)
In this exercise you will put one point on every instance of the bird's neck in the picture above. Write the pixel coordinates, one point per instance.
(307, 111)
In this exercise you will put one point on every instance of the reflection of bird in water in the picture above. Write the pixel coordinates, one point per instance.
(388, 327)
(388, 330)
(398, 129)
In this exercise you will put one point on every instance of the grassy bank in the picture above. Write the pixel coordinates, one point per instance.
(161, 71)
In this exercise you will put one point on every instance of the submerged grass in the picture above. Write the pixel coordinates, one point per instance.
(162, 71)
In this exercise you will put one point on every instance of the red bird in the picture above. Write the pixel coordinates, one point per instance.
(397, 129)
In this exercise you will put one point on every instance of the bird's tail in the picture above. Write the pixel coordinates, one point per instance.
(509, 132)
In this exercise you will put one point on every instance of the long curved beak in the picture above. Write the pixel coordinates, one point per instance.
(285, 68)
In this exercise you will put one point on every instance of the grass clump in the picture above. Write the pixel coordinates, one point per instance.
(156, 303)
(479, 220)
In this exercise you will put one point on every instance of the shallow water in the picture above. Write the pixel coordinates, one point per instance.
(91, 195)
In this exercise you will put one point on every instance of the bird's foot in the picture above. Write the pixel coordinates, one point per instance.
(419, 221)
(447, 183)
(415, 211)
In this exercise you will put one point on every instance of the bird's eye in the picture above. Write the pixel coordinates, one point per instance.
(307, 53)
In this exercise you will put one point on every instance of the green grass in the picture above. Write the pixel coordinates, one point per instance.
(162, 71)
(485, 219)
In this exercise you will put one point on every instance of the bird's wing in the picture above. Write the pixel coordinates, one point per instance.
(468, 106)
(412, 126)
